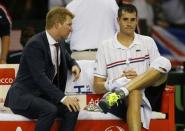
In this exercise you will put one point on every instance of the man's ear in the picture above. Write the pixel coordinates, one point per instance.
(56, 25)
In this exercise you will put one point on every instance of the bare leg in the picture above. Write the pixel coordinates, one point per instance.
(146, 79)
(133, 111)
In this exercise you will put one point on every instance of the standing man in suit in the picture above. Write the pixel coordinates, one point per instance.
(38, 90)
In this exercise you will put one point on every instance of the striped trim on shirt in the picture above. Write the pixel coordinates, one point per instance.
(123, 62)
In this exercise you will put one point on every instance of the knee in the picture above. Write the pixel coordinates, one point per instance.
(134, 99)
(73, 114)
(52, 110)
(135, 94)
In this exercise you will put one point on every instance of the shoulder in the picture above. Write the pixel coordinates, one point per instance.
(5, 15)
(146, 41)
(3, 10)
(106, 44)
(144, 37)
(38, 41)
(37, 38)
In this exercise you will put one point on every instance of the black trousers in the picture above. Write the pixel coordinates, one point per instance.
(45, 112)
(119, 110)
(153, 94)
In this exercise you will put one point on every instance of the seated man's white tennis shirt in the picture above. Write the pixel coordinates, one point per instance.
(113, 58)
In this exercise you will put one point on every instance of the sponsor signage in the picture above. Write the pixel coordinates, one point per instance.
(7, 76)
(82, 88)
(114, 128)
(93, 98)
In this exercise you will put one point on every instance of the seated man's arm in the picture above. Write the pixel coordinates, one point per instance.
(101, 85)
(156, 75)
(98, 85)
(150, 77)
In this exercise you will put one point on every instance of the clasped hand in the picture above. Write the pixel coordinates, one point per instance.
(72, 103)
(129, 74)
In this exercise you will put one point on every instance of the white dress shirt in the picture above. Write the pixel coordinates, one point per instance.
(53, 51)
(52, 47)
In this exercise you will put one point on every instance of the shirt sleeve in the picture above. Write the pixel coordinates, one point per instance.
(62, 100)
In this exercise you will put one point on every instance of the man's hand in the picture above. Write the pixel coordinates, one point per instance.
(76, 72)
(72, 103)
(130, 73)
(116, 83)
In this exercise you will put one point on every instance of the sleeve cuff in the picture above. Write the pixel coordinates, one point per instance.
(62, 100)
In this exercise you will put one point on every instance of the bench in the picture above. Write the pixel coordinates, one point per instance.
(87, 121)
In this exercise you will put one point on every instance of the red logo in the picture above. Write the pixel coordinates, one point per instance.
(7, 76)
(93, 98)
(114, 128)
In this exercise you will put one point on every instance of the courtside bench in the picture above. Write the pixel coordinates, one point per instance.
(88, 120)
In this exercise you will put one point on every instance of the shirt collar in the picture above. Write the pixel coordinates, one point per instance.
(118, 45)
(51, 40)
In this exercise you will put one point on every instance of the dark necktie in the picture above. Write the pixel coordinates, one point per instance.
(57, 61)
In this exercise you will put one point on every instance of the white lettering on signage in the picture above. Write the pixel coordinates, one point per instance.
(18, 129)
(92, 101)
(6, 80)
(115, 128)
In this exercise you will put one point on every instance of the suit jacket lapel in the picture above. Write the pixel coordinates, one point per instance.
(46, 44)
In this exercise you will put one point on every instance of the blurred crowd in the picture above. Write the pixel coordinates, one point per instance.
(164, 13)
(160, 12)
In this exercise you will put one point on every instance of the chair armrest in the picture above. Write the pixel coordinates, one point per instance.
(168, 105)
(167, 99)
